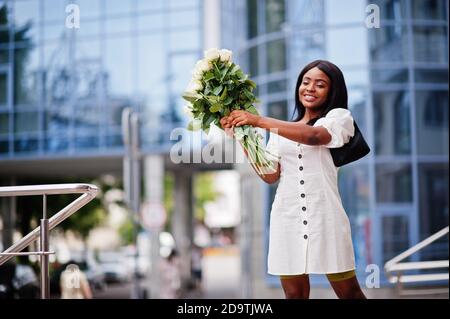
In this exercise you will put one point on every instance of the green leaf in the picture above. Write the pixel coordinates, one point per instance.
(234, 69)
(212, 99)
(249, 95)
(224, 94)
(208, 76)
(193, 126)
(223, 73)
(190, 97)
(217, 90)
(216, 108)
(228, 100)
(240, 74)
(252, 110)
(251, 83)
(207, 122)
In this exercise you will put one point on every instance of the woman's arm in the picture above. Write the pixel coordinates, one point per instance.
(268, 178)
(295, 131)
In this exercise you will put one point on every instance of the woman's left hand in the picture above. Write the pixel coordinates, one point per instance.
(239, 118)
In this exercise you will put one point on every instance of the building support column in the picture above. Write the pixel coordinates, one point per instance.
(154, 197)
(182, 222)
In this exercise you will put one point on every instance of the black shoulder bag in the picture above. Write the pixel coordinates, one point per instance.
(355, 149)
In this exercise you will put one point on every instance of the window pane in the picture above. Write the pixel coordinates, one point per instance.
(114, 140)
(117, 7)
(86, 142)
(433, 200)
(4, 123)
(154, 5)
(339, 42)
(389, 43)
(430, 44)
(276, 56)
(119, 66)
(253, 61)
(118, 25)
(390, 75)
(392, 123)
(89, 8)
(57, 120)
(252, 18)
(55, 10)
(3, 88)
(429, 9)
(4, 147)
(391, 9)
(26, 82)
(87, 117)
(26, 145)
(355, 191)
(431, 76)
(183, 19)
(277, 110)
(277, 86)
(56, 143)
(342, 12)
(433, 184)
(432, 122)
(306, 47)
(4, 51)
(357, 104)
(26, 16)
(394, 184)
(275, 15)
(395, 236)
(26, 122)
(185, 39)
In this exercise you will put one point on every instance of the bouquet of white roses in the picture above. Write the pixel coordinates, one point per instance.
(218, 87)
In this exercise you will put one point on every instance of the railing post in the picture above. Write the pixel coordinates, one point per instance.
(45, 284)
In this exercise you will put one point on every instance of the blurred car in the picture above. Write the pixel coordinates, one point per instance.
(94, 274)
(18, 281)
(114, 268)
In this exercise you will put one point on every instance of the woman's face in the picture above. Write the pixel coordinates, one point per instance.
(313, 90)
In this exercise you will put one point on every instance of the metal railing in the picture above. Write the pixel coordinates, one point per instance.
(89, 192)
(395, 269)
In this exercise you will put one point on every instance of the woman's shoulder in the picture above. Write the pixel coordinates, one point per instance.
(338, 113)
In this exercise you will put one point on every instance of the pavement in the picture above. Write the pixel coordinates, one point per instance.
(221, 280)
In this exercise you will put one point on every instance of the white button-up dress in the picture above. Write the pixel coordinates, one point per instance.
(309, 229)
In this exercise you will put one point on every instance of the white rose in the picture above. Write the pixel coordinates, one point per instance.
(196, 75)
(203, 66)
(194, 86)
(212, 54)
(225, 55)
(200, 67)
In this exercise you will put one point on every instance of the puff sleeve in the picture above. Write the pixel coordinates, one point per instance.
(339, 124)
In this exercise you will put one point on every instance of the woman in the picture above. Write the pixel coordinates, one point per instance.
(309, 229)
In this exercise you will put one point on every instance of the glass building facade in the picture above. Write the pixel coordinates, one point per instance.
(62, 89)
(397, 77)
